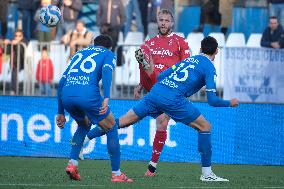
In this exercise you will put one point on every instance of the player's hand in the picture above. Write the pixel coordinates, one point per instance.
(60, 121)
(234, 102)
(104, 107)
(137, 91)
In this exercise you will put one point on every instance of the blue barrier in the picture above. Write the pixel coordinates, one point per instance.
(249, 134)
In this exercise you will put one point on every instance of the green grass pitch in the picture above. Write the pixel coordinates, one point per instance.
(23, 172)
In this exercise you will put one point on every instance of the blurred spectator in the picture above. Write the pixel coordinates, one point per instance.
(133, 7)
(276, 8)
(27, 8)
(273, 35)
(143, 6)
(44, 73)
(70, 10)
(111, 12)
(16, 50)
(78, 39)
(226, 10)
(209, 14)
(3, 17)
(155, 7)
(43, 32)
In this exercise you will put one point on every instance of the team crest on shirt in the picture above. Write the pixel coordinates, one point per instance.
(170, 42)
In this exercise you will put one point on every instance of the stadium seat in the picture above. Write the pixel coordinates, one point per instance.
(236, 40)
(134, 38)
(220, 37)
(128, 73)
(254, 40)
(194, 40)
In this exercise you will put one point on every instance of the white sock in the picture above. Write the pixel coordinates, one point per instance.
(73, 162)
(206, 171)
(153, 164)
(117, 173)
(86, 140)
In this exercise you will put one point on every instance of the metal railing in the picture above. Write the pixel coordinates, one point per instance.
(125, 78)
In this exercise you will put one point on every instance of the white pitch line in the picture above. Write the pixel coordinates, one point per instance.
(84, 185)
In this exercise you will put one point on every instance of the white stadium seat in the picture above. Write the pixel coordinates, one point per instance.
(194, 41)
(236, 40)
(134, 38)
(254, 40)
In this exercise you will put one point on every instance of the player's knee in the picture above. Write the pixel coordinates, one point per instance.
(162, 122)
(205, 126)
(84, 122)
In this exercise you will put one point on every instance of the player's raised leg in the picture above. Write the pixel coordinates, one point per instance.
(205, 149)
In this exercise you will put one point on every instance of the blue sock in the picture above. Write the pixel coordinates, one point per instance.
(113, 147)
(204, 148)
(77, 141)
(95, 132)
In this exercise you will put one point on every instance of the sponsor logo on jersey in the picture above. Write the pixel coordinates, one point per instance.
(159, 66)
(162, 52)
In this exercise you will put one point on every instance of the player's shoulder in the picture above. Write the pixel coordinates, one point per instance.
(177, 37)
(154, 38)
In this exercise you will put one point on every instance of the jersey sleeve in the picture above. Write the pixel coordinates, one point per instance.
(210, 82)
(60, 109)
(107, 69)
(184, 49)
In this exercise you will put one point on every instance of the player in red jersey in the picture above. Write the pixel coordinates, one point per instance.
(155, 55)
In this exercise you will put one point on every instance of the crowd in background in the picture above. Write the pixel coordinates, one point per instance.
(112, 17)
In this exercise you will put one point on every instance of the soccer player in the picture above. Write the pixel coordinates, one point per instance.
(164, 50)
(169, 95)
(79, 94)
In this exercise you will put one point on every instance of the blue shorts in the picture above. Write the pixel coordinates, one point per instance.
(80, 107)
(179, 108)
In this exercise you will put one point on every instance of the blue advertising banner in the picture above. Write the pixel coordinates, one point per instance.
(254, 74)
(248, 134)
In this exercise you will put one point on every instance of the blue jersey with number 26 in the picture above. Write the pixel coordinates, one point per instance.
(86, 69)
(189, 76)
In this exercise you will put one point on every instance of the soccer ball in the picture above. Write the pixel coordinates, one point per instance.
(50, 15)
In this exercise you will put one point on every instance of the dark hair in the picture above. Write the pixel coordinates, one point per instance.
(166, 11)
(80, 21)
(103, 40)
(209, 45)
(273, 17)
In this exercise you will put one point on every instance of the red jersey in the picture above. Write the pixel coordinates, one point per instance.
(165, 51)
(44, 71)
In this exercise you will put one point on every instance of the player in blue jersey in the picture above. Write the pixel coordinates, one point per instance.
(79, 94)
(169, 95)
